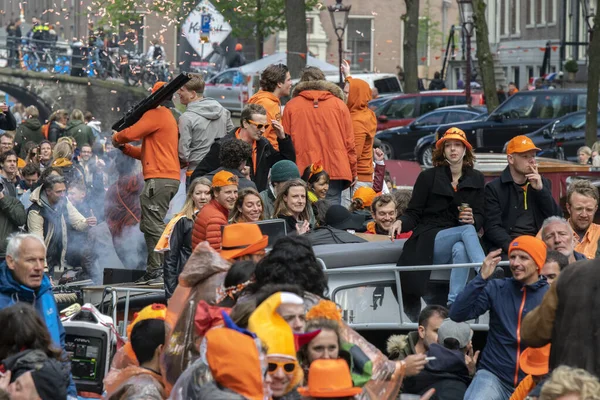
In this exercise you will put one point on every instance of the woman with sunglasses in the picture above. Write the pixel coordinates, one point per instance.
(253, 124)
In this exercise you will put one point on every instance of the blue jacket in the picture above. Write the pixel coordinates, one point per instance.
(42, 300)
(508, 302)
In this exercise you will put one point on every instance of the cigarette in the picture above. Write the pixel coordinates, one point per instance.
(430, 359)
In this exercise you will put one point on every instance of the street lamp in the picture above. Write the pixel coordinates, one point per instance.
(466, 15)
(339, 18)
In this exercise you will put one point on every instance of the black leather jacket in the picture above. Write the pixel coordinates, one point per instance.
(175, 259)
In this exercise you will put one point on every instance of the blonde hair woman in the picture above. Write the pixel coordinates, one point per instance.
(176, 240)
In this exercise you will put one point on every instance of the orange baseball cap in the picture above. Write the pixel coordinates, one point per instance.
(242, 239)
(224, 178)
(329, 378)
(520, 144)
(532, 246)
(158, 85)
(454, 134)
(366, 194)
(535, 361)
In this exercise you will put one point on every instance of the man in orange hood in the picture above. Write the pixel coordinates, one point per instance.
(364, 123)
(320, 125)
(275, 83)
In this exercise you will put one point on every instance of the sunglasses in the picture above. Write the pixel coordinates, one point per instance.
(259, 126)
(288, 367)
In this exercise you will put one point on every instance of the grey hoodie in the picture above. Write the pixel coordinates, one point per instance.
(202, 122)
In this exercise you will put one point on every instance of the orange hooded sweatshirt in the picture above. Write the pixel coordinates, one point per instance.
(157, 129)
(364, 124)
(272, 104)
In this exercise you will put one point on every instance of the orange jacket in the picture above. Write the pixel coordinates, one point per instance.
(526, 386)
(272, 104)
(208, 225)
(158, 131)
(364, 124)
(319, 123)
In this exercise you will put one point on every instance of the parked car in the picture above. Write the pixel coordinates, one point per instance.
(403, 109)
(398, 143)
(563, 137)
(522, 113)
(230, 88)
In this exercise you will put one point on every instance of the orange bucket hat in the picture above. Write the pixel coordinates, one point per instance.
(224, 178)
(520, 144)
(329, 378)
(535, 361)
(454, 134)
(242, 239)
(366, 194)
(532, 246)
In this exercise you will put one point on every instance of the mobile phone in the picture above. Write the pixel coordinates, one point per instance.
(430, 359)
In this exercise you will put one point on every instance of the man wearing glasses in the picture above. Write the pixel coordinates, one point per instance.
(253, 123)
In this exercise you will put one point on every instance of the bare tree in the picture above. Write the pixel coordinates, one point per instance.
(295, 15)
(591, 117)
(484, 55)
(411, 34)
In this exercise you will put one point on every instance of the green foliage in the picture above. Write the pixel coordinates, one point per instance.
(571, 66)
(430, 35)
(123, 13)
(246, 17)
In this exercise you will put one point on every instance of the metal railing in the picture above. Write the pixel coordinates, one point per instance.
(115, 299)
(402, 325)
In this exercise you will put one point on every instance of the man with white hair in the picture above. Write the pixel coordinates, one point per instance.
(22, 279)
(556, 232)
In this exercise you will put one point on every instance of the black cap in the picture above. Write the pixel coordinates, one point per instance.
(51, 380)
(340, 218)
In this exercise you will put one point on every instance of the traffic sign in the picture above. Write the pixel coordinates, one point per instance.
(205, 25)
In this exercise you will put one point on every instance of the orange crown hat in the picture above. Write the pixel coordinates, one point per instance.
(366, 194)
(520, 144)
(329, 378)
(242, 239)
(224, 178)
(532, 246)
(454, 134)
(315, 168)
(325, 309)
(153, 311)
(234, 362)
(158, 85)
(535, 361)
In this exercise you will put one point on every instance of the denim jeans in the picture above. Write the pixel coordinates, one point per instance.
(334, 194)
(486, 385)
(458, 245)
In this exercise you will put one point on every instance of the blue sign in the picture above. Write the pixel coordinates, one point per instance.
(205, 25)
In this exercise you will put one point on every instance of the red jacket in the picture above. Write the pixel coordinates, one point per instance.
(208, 225)
(319, 123)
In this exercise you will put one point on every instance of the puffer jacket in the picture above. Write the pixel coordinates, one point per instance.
(320, 125)
(29, 131)
(42, 299)
(202, 122)
(208, 225)
(82, 133)
(180, 250)
(508, 302)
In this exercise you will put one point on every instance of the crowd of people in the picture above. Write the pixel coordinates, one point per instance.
(264, 326)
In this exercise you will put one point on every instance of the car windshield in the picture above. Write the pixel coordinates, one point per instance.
(569, 124)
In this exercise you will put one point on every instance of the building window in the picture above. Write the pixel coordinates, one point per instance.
(529, 12)
(551, 9)
(359, 43)
(540, 8)
(503, 17)
(423, 41)
(310, 22)
(513, 17)
(517, 77)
